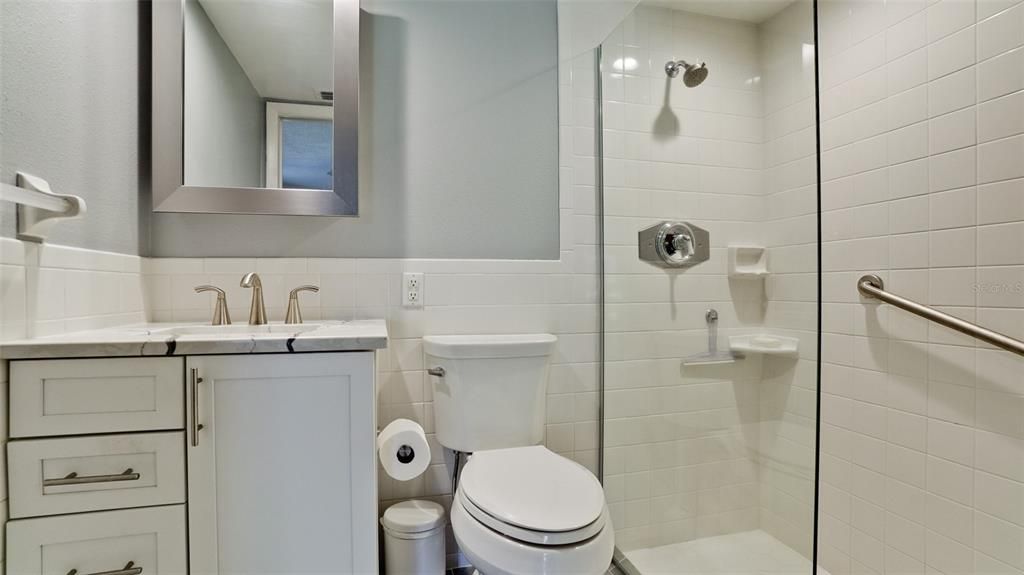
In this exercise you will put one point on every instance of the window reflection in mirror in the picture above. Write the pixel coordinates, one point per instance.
(258, 82)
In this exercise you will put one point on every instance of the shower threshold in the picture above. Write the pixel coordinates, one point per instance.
(744, 553)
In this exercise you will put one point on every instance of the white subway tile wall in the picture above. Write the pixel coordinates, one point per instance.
(699, 451)
(922, 443)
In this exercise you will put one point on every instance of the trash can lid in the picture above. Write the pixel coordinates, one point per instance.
(413, 516)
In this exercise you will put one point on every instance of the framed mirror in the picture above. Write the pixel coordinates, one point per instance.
(256, 106)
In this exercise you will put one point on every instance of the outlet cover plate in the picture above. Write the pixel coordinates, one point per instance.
(412, 290)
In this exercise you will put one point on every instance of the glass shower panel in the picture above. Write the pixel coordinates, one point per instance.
(708, 112)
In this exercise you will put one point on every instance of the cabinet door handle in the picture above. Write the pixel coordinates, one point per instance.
(129, 569)
(74, 478)
(196, 426)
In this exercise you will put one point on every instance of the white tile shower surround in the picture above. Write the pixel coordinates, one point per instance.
(744, 553)
(922, 442)
(700, 452)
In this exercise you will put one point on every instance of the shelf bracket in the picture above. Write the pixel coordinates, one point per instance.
(39, 207)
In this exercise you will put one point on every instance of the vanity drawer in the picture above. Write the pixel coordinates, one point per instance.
(152, 540)
(80, 396)
(73, 474)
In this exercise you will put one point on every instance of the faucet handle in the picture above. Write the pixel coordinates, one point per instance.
(220, 311)
(294, 315)
(295, 292)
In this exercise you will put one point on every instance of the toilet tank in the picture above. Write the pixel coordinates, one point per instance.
(493, 391)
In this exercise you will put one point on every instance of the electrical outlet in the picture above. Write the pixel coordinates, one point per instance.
(412, 290)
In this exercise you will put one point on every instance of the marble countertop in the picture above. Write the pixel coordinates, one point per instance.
(177, 339)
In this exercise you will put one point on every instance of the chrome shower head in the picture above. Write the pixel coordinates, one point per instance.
(693, 75)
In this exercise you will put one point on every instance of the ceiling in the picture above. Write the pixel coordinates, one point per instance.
(284, 46)
(755, 11)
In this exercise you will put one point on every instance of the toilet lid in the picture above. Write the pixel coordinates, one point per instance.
(532, 488)
(545, 538)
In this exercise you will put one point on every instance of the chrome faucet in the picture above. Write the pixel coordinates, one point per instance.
(257, 312)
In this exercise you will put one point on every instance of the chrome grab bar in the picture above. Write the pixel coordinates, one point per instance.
(872, 286)
(129, 569)
(74, 478)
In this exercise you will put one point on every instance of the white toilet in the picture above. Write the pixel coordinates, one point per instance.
(519, 508)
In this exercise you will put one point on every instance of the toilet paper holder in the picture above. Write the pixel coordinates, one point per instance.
(405, 453)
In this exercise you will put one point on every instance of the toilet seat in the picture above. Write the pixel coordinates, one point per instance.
(528, 511)
(532, 495)
(532, 537)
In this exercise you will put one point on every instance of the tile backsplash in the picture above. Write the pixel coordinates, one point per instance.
(49, 290)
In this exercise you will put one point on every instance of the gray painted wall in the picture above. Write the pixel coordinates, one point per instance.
(459, 145)
(224, 114)
(72, 92)
(459, 140)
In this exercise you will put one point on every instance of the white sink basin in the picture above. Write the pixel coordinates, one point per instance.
(235, 330)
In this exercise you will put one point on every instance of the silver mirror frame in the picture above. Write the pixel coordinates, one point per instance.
(169, 192)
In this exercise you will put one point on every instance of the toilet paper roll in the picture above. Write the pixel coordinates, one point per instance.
(403, 450)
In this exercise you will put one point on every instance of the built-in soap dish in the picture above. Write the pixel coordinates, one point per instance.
(748, 262)
(764, 344)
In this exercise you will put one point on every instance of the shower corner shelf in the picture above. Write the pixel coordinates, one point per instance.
(748, 262)
(765, 344)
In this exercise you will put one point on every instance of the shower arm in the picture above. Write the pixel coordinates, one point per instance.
(672, 67)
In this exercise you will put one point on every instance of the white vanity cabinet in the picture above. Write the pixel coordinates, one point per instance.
(282, 464)
(255, 463)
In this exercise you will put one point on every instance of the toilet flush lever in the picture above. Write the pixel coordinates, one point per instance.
(436, 371)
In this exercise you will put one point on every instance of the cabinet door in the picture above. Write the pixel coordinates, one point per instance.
(282, 472)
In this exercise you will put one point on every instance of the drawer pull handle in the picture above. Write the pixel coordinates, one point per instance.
(76, 479)
(129, 569)
(196, 426)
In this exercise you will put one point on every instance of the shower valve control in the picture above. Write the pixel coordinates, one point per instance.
(674, 244)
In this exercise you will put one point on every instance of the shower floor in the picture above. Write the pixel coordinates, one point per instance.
(746, 553)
